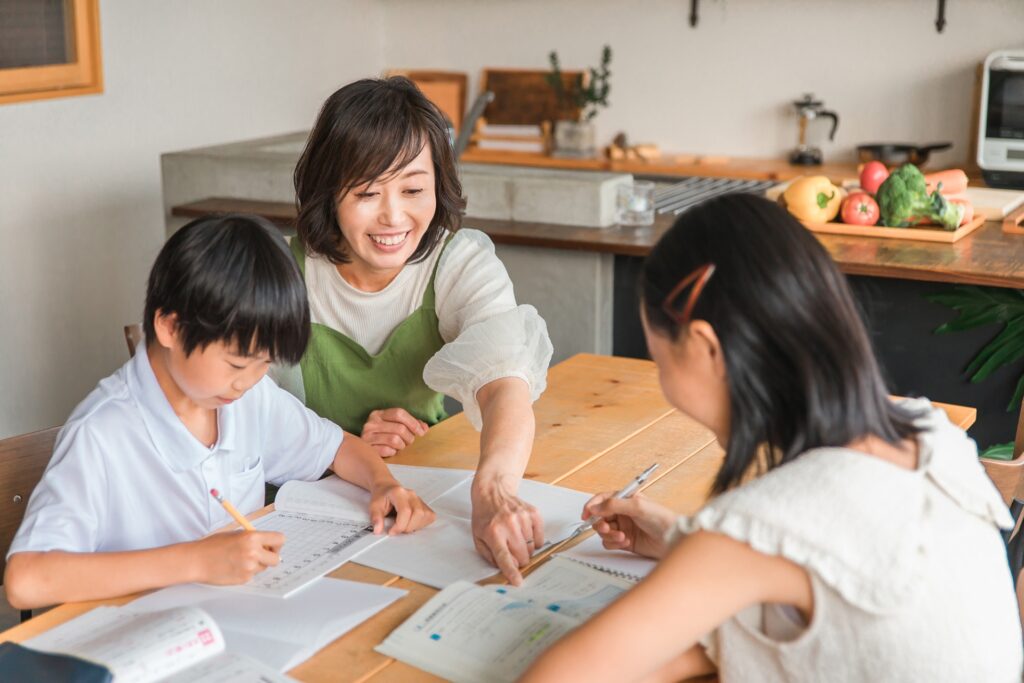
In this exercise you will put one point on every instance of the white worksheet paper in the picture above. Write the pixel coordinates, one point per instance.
(182, 644)
(279, 633)
(469, 633)
(438, 555)
(444, 552)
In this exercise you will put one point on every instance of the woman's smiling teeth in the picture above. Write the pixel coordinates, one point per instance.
(389, 240)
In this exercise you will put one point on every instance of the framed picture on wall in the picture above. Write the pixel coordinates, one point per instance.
(49, 48)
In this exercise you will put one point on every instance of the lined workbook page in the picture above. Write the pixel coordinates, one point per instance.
(137, 648)
(314, 545)
(592, 553)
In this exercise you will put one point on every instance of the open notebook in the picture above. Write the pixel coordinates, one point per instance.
(437, 555)
(592, 553)
(469, 633)
(181, 645)
(279, 633)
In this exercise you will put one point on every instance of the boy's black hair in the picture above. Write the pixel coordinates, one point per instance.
(231, 279)
(368, 130)
(801, 370)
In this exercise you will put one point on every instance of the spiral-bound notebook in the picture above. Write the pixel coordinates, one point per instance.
(618, 563)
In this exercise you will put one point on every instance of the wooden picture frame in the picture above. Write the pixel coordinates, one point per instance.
(83, 76)
(524, 96)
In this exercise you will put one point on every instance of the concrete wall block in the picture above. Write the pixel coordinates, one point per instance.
(542, 195)
(572, 290)
(488, 195)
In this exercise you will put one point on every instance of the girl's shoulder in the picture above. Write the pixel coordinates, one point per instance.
(850, 517)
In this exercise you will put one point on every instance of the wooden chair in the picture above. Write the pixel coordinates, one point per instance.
(132, 337)
(22, 461)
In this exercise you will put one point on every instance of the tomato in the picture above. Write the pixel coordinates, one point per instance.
(872, 176)
(860, 209)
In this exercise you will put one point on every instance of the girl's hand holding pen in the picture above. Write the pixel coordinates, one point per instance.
(635, 524)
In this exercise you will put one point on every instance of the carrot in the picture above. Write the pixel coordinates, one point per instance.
(954, 181)
(968, 210)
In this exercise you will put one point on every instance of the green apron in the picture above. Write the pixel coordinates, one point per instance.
(344, 383)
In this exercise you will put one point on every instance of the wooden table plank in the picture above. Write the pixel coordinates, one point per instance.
(593, 404)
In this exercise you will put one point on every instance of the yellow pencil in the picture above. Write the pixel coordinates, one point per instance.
(232, 510)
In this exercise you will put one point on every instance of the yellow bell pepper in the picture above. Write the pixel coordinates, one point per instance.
(814, 199)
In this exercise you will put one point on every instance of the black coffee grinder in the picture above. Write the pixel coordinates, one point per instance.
(809, 109)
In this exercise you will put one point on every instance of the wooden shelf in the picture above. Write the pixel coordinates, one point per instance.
(669, 165)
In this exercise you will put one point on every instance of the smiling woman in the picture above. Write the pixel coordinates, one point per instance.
(406, 307)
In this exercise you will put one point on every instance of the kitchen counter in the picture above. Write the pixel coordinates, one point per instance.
(986, 257)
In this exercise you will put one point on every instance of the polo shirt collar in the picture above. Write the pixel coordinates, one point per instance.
(177, 446)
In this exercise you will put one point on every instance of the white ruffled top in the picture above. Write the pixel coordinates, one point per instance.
(908, 569)
(487, 335)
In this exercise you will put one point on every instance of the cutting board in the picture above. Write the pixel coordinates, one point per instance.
(994, 205)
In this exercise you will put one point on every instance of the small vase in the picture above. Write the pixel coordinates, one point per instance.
(575, 139)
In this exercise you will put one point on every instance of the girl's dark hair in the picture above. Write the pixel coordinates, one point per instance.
(231, 279)
(364, 130)
(801, 371)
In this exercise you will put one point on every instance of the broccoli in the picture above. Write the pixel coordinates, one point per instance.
(903, 200)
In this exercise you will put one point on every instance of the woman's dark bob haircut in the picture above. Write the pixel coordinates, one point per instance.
(364, 131)
(801, 371)
(231, 279)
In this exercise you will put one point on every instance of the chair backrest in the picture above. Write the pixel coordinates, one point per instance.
(446, 89)
(22, 461)
(132, 337)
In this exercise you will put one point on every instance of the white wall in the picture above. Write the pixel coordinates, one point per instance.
(80, 201)
(724, 87)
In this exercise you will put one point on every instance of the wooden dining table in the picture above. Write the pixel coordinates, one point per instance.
(601, 420)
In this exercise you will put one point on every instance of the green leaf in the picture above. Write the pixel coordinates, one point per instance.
(1018, 394)
(998, 451)
(981, 306)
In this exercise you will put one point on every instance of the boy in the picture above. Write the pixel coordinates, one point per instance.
(125, 503)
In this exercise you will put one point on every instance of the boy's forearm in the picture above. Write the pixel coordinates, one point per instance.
(39, 579)
(357, 462)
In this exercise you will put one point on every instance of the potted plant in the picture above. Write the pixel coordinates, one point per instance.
(584, 96)
(980, 306)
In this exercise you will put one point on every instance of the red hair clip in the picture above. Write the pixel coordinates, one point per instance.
(698, 278)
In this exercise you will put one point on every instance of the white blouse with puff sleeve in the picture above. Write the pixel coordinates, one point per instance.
(487, 335)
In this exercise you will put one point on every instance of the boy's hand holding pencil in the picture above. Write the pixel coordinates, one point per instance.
(235, 557)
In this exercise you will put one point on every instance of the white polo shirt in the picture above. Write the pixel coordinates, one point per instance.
(127, 475)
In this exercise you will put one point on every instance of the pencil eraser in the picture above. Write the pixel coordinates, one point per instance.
(213, 492)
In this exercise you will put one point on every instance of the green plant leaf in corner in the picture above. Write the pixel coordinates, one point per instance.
(982, 306)
(998, 451)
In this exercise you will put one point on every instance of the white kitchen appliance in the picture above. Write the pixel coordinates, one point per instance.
(1001, 120)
